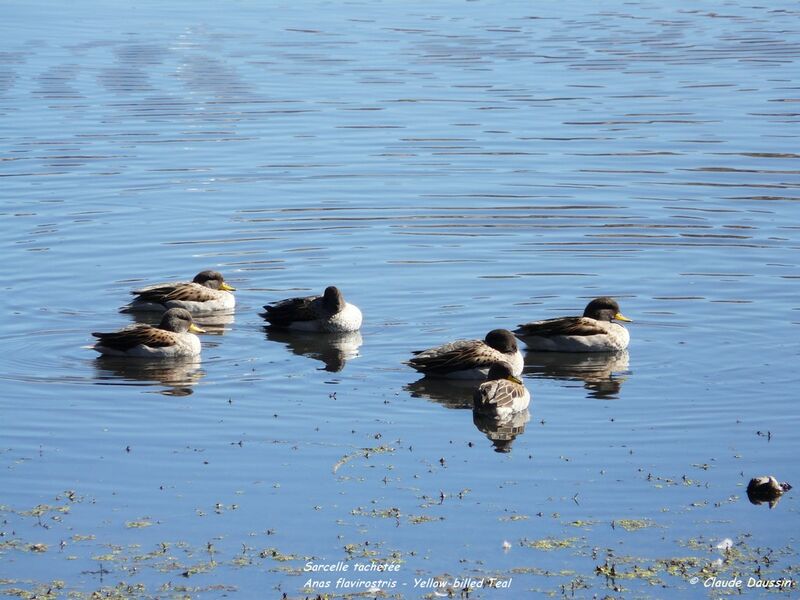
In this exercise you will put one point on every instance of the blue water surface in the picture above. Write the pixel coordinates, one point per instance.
(453, 167)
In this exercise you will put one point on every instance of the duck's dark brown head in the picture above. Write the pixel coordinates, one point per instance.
(332, 299)
(179, 320)
(501, 340)
(213, 280)
(502, 370)
(604, 309)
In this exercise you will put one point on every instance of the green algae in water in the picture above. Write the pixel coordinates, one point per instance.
(202, 567)
(580, 524)
(419, 519)
(551, 543)
(42, 509)
(277, 555)
(633, 524)
(514, 518)
(40, 591)
(387, 513)
(364, 452)
(543, 572)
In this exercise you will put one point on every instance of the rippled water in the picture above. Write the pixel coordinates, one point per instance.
(453, 168)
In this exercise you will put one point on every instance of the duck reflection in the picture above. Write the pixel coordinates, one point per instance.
(452, 393)
(459, 394)
(217, 323)
(501, 432)
(333, 349)
(177, 375)
(599, 371)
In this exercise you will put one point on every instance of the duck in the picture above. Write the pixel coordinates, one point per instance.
(206, 293)
(766, 489)
(172, 338)
(470, 359)
(595, 331)
(502, 394)
(328, 313)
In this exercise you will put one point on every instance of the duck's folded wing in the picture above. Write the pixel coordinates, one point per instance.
(185, 292)
(577, 326)
(136, 335)
(291, 310)
(157, 285)
(499, 394)
(192, 292)
(456, 356)
(155, 293)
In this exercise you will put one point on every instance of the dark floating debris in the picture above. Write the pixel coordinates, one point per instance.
(766, 489)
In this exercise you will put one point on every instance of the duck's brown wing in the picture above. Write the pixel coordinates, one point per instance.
(500, 394)
(288, 311)
(577, 326)
(137, 335)
(455, 356)
(186, 292)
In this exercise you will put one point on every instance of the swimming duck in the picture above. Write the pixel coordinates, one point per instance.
(595, 331)
(328, 313)
(502, 394)
(206, 293)
(171, 338)
(470, 359)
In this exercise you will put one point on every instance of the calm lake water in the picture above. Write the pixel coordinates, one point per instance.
(453, 167)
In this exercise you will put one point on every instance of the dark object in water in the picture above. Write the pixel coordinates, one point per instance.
(766, 489)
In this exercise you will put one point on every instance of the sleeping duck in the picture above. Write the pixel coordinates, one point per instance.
(328, 313)
(502, 394)
(470, 359)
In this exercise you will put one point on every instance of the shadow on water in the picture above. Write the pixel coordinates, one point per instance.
(332, 349)
(176, 375)
(599, 371)
(457, 394)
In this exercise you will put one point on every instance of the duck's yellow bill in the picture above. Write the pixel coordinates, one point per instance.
(195, 329)
(621, 317)
(228, 288)
(515, 379)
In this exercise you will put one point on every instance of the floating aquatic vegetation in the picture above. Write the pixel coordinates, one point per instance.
(514, 517)
(632, 524)
(550, 543)
(581, 524)
(277, 555)
(417, 519)
(365, 452)
(138, 524)
(386, 513)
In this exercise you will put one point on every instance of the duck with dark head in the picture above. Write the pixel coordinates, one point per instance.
(597, 330)
(328, 313)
